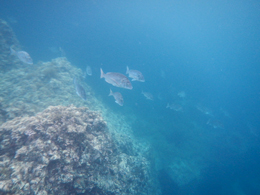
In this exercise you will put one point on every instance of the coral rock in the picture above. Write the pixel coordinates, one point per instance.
(67, 150)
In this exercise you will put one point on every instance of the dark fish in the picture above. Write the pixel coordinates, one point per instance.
(116, 79)
(79, 89)
(22, 55)
(135, 75)
(118, 97)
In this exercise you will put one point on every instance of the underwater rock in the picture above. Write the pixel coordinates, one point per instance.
(182, 171)
(7, 39)
(27, 91)
(67, 150)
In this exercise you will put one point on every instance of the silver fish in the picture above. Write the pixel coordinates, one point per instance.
(204, 110)
(79, 89)
(118, 97)
(22, 55)
(116, 79)
(135, 75)
(182, 94)
(216, 124)
(89, 71)
(175, 107)
(148, 95)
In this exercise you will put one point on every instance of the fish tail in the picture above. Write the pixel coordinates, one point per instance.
(101, 73)
(111, 93)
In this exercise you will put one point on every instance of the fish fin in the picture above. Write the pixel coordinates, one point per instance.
(134, 80)
(111, 93)
(127, 70)
(168, 105)
(101, 73)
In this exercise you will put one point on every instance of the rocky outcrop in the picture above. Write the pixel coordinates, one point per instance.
(67, 150)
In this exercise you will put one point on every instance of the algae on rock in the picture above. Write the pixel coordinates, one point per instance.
(67, 150)
(29, 90)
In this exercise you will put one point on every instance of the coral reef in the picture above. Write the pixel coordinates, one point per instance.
(63, 150)
(7, 39)
(67, 150)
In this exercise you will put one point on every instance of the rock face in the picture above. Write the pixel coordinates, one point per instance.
(67, 150)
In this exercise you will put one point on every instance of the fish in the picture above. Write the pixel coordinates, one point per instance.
(204, 110)
(148, 95)
(57, 50)
(79, 90)
(89, 71)
(22, 55)
(62, 52)
(175, 107)
(135, 75)
(116, 79)
(216, 124)
(182, 94)
(118, 97)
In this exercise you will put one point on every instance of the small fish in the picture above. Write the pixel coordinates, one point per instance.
(118, 97)
(175, 107)
(22, 55)
(116, 79)
(216, 124)
(148, 95)
(135, 75)
(62, 52)
(79, 89)
(204, 110)
(182, 94)
(54, 49)
(89, 71)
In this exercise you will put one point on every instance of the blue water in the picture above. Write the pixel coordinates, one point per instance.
(209, 49)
